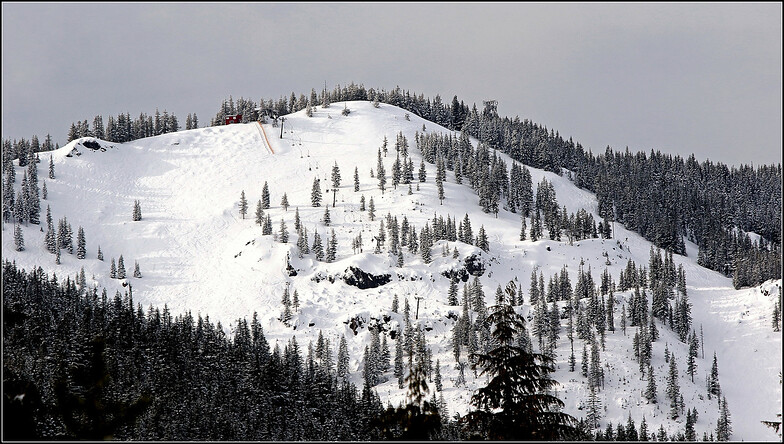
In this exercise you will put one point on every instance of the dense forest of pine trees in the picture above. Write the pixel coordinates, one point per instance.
(79, 364)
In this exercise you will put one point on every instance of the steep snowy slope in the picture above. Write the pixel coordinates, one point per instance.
(197, 254)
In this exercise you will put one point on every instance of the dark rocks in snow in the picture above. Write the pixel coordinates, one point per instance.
(472, 266)
(356, 323)
(458, 274)
(291, 271)
(93, 145)
(363, 280)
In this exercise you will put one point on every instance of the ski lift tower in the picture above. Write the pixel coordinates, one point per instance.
(491, 108)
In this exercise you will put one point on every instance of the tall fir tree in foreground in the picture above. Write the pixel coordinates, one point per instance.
(515, 404)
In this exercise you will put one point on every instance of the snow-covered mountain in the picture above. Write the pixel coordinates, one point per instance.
(197, 253)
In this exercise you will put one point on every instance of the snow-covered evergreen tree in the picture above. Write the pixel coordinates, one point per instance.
(120, 268)
(81, 247)
(19, 244)
(259, 214)
(315, 193)
(724, 423)
(265, 197)
(283, 232)
(137, 209)
(332, 247)
(51, 167)
(335, 175)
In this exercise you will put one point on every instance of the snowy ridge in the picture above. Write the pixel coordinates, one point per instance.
(197, 254)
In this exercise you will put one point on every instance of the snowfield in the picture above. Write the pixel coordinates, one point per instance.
(197, 254)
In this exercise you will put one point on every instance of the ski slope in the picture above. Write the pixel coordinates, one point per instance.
(197, 254)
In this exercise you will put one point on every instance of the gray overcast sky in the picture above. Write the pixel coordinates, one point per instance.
(702, 78)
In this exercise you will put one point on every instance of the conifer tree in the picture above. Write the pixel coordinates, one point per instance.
(343, 359)
(318, 247)
(335, 175)
(691, 363)
(265, 197)
(650, 389)
(440, 188)
(82, 280)
(398, 372)
(297, 221)
(381, 174)
(100, 253)
(50, 239)
(259, 214)
(481, 239)
(51, 167)
(326, 219)
(690, 434)
(315, 193)
(452, 298)
(397, 171)
(522, 228)
(18, 238)
(137, 209)
(81, 248)
(20, 210)
(295, 304)
(243, 205)
(356, 179)
(136, 272)
(284, 202)
(120, 268)
(714, 388)
(283, 233)
(112, 268)
(285, 317)
(673, 388)
(594, 408)
(724, 423)
(371, 209)
(332, 248)
(516, 403)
